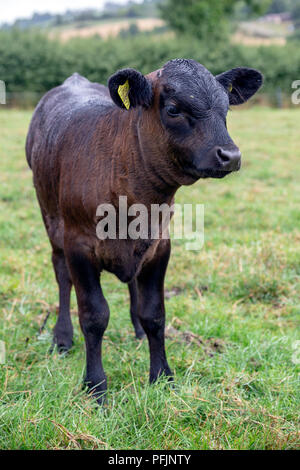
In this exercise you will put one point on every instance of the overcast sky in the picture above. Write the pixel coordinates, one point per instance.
(12, 9)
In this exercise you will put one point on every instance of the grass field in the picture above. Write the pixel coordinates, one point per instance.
(253, 33)
(236, 375)
(104, 29)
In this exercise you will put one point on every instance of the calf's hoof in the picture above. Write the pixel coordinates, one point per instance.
(139, 333)
(97, 389)
(166, 372)
(139, 330)
(63, 344)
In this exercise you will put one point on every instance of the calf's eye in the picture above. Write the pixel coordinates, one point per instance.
(173, 111)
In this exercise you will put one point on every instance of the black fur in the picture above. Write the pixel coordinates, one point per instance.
(140, 89)
(186, 77)
(244, 82)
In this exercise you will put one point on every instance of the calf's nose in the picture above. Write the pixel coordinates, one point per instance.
(230, 160)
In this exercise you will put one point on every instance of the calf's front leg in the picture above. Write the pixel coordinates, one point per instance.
(151, 309)
(93, 318)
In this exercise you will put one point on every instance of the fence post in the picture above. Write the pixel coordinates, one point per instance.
(2, 92)
(279, 97)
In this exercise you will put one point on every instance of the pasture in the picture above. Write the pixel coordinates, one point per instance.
(104, 29)
(232, 314)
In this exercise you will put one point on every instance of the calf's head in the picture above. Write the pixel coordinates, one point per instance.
(190, 105)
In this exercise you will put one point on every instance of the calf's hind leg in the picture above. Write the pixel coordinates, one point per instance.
(133, 291)
(93, 318)
(63, 330)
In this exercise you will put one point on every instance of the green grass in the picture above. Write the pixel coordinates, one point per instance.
(241, 291)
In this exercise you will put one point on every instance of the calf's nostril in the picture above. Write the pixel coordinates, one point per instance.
(223, 155)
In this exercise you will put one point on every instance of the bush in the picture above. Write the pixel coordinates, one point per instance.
(33, 63)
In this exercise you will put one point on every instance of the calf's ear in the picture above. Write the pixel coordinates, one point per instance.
(129, 88)
(240, 83)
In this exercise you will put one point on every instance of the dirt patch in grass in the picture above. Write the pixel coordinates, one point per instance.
(173, 292)
(209, 345)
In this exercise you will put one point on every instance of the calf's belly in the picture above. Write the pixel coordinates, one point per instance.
(125, 258)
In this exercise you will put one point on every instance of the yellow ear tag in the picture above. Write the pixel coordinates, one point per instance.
(123, 92)
(230, 88)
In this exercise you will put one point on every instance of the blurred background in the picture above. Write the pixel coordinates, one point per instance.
(43, 43)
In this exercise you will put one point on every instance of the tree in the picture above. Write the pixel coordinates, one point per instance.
(295, 13)
(280, 6)
(205, 19)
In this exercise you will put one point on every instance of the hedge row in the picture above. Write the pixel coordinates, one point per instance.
(32, 62)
